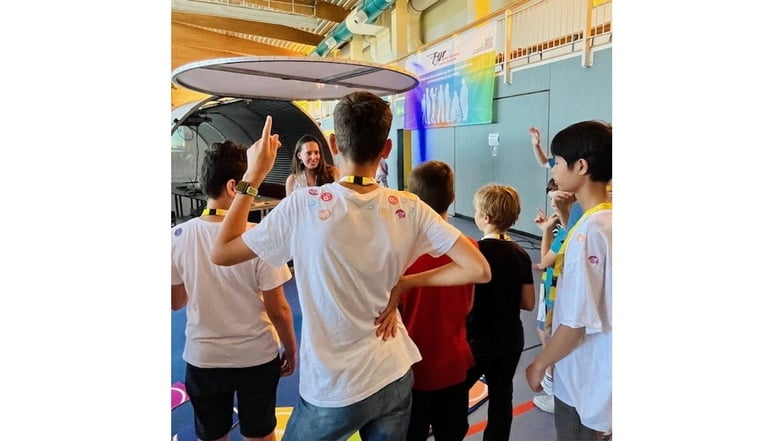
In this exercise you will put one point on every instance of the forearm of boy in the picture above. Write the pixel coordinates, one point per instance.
(547, 261)
(563, 341)
(280, 315)
(229, 248)
(468, 266)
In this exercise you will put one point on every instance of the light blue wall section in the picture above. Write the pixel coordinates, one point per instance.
(578, 93)
(549, 96)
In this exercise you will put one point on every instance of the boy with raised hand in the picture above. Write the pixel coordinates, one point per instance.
(435, 317)
(581, 343)
(351, 240)
(564, 201)
(231, 343)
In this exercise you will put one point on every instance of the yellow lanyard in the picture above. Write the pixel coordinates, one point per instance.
(559, 258)
(358, 180)
(213, 212)
(501, 236)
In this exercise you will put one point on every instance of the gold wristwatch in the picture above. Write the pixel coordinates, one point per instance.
(245, 188)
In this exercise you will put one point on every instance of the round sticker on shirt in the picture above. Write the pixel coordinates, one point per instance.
(400, 214)
(393, 200)
(178, 231)
(313, 191)
(324, 214)
(312, 203)
(383, 212)
(326, 197)
(371, 206)
(581, 238)
(593, 260)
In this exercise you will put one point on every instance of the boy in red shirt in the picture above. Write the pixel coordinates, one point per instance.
(435, 318)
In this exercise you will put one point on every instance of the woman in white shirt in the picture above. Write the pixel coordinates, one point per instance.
(308, 166)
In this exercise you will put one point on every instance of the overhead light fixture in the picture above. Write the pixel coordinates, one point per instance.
(244, 13)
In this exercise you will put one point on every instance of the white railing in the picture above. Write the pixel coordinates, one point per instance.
(546, 29)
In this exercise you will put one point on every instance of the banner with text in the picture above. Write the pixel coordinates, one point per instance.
(456, 82)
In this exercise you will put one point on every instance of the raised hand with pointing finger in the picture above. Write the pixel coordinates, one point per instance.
(261, 155)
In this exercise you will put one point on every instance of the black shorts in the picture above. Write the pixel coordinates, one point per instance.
(211, 392)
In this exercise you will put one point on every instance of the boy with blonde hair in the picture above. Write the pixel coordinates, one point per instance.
(495, 331)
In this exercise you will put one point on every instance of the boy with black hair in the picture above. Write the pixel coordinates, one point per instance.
(351, 240)
(435, 317)
(495, 331)
(236, 317)
(581, 343)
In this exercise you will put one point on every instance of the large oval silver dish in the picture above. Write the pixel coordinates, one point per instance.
(291, 78)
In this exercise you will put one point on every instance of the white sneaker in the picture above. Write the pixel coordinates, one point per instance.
(545, 402)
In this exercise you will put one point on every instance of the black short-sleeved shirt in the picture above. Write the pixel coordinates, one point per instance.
(494, 322)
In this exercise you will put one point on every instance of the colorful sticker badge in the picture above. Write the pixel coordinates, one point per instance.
(581, 238)
(324, 214)
(401, 214)
(326, 196)
(312, 203)
(593, 260)
(313, 191)
(393, 200)
(178, 231)
(383, 212)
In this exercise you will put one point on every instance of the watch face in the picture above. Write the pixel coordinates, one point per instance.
(244, 187)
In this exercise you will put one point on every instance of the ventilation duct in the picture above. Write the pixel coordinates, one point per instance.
(367, 14)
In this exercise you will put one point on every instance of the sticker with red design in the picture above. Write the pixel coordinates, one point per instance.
(313, 191)
(400, 213)
(326, 196)
(593, 260)
(393, 199)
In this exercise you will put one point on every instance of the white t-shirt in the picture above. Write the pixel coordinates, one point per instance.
(227, 324)
(349, 249)
(583, 379)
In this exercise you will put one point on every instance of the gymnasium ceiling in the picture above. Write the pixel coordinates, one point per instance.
(206, 29)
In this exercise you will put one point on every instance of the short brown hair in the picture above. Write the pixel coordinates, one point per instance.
(500, 203)
(434, 183)
(362, 121)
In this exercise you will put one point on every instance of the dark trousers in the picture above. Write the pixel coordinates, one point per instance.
(568, 426)
(446, 410)
(499, 370)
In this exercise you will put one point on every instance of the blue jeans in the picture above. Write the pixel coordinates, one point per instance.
(382, 416)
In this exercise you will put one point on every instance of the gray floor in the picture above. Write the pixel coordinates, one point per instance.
(529, 423)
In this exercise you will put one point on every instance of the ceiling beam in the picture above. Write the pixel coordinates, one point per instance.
(191, 44)
(331, 12)
(244, 12)
(318, 8)
(247, 27)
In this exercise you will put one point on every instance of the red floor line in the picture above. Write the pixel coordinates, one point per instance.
(519, 410)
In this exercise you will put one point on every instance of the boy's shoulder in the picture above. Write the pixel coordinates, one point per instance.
(601, 220)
